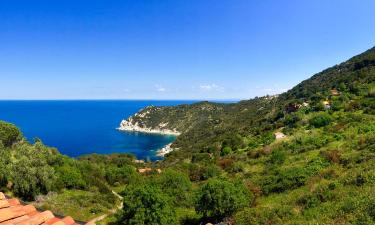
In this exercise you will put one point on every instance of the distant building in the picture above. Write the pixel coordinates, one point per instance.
(292, 107)
(327, 104)
(147, 170)
(279, 135)
(335, 92)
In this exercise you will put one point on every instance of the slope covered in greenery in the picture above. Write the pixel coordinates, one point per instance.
(205, 126)
(227, 164)
(321, 173)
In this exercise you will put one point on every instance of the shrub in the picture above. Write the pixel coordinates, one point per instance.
(211, 171)
(146, 204)
(322, 193)
(175, 184)
(262, 216)
(221, 198)
(277, 157)
(281, 180)
(70, 177)
(121, 175)
(226, 151)
(320, 120)
(226, 163)
(30, 173)
(236, 167)
(333, 156)
(9, 134)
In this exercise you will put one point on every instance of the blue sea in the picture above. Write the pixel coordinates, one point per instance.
(77, 128)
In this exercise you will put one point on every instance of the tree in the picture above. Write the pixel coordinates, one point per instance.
(30, 173)
(120, 175)
(176, 185)
(9, 133)
(146, 204)
(220, 198)
(320, 120)
(70, 177)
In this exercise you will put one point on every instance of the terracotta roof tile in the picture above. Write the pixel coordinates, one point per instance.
(13, 202)
(38, 218)
(16, 220)
(4, 204)
(68, 220)
(51, 221)
(13, 213)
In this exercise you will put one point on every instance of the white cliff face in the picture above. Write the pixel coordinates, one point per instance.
(133, 126)
(167, 149)
(130, 125)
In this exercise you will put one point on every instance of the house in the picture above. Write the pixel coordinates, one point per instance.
(144, 170)
(279, 135)
(147, 170)
(335, 92)
(327, 104)
(292, 108)
(13, 212)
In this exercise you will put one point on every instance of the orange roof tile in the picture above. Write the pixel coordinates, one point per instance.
(13, 213)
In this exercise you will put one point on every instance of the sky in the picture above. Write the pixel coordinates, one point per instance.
(174, 49)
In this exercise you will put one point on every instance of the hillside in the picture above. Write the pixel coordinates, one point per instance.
(319, 172)
(228, 164)
(204, 126)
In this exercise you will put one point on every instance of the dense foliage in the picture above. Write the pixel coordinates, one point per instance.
(219, 198)
(146, 204)
(228, 164)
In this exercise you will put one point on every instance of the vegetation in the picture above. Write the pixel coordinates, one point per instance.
(146, 204)
(218, 199)
(228, 165)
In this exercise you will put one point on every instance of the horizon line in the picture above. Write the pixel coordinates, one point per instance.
(124, 99)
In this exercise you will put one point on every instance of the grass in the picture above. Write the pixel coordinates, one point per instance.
(81, 205)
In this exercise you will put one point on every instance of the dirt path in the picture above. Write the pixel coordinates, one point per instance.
(112, 211)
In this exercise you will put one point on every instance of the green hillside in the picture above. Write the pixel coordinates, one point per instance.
(205, 126)
(227, 164)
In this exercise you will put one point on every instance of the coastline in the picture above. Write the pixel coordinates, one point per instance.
(165, 150)
(128, 125)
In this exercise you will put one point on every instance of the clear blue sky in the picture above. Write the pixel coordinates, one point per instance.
(174, 49)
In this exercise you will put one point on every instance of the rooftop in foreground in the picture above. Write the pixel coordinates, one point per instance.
(12, 212)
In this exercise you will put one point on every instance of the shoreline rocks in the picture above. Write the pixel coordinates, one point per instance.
(132, 126)
(129, 125)
(165, 150)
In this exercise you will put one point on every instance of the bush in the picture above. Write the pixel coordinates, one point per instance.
(121, 175)
(262, 216)
(218, 199)
(175, 184)
(211, 171)
(322, 193)
(281, 180)
(333, 156)
(9, 134)
(70, 177)
(226, 151)
(277, 157)
(320, 120)
(146, 204)
(30, 173)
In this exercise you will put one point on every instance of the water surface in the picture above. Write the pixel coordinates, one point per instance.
(82, 127)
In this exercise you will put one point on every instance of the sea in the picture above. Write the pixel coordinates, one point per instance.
(81, 127)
